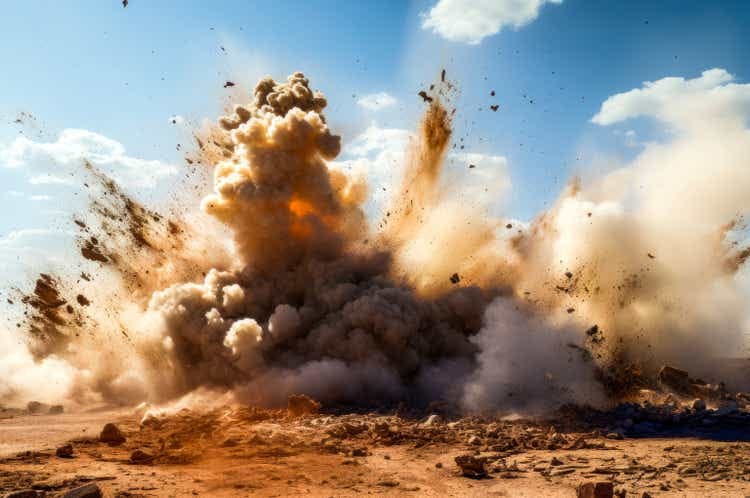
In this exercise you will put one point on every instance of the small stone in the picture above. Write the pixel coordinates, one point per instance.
(432, 420)
(111, 435)
(472, 466)
(439, 465)
(24, 493)
(388, 483)
(150, 420)
(359, 452)
(141, 457)
(555, 462)
(230, 442)
(56, 409)
(90, 490)
(65, 451)
(475, 440)
(595, 490)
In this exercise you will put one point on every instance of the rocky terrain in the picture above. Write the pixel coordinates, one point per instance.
(637, 449)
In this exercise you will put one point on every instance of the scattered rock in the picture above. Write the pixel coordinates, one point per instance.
(150, 420)
(455, 278)
(595, 490)
(432, 420)
(359, 452)
(140, 457)
(35, 407)
(90, 490)
(25, 493)
(230, 442)
(65, 451)
(111, 435)
(388, 483)
(471, 466)
(555, 461)
(301, 404)
(439, 465)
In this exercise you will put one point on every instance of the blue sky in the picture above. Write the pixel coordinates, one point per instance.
(121, 73)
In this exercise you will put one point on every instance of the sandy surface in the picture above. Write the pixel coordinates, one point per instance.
(244, 453)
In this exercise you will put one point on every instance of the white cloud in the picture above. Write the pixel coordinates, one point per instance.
(711, 102)
(75, 145)
(376, 101)
(469, 21)
(377, 154)
(40, 197)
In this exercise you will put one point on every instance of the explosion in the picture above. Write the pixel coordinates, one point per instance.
(440, 305)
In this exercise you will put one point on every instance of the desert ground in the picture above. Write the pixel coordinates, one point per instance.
(245, 451)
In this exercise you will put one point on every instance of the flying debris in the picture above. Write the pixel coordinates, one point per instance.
(228, 84)
(424, 96)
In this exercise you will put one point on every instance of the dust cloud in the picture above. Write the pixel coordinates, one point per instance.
(299, 293)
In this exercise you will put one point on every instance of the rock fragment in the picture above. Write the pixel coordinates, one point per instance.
(35, 407)
(301, 404)
(471, 466)
(65, 451)
(24, 493)
(595, 490)
(111, 435)
(140, 457)
(90, 490)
